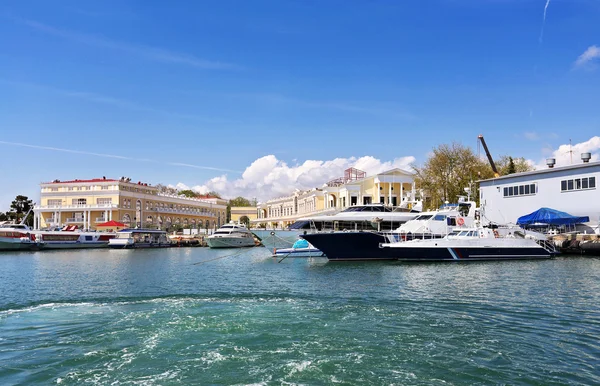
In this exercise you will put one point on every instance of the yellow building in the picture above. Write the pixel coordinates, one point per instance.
(86, 203)
(242, 214)
(394, 187)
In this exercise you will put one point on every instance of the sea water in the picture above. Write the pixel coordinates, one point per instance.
(240, 317)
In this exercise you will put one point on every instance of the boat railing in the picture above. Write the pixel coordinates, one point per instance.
(548, 246)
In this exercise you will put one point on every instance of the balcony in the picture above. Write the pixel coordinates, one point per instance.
(192, 212)
(75, 207)
(100, 219)
(75, 220)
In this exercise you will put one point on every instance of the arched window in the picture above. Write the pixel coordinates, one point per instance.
(126, 219)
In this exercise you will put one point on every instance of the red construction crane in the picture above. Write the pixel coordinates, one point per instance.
(489, 156)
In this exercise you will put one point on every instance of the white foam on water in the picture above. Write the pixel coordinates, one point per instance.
(212, 357)
(45, 306)
(297, 367)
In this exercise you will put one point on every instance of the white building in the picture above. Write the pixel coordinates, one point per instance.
(572, 189)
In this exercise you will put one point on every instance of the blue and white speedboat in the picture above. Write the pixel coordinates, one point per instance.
(301, 248)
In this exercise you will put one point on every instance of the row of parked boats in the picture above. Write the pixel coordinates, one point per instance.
(21, 237)
(453, 232)
(365, 232)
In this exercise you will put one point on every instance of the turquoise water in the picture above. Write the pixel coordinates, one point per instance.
(157, 317)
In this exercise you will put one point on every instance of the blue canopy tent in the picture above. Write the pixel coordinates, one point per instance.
(551, 217)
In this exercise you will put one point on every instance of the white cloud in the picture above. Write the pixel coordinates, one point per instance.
(566, 152)
(592, 53)
(269, 177)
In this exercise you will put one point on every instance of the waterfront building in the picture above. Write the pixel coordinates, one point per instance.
(243, 214)
(86, 203)
(394, 187)
(572, 189)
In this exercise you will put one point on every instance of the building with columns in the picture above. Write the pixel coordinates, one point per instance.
(86, 203)
(394, 187)
(239, 214)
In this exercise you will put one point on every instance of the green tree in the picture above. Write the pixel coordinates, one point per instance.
(212, 193)
(511, 166)
(3, 216)
(188, 193)
(448, 171)
(240, 201)
(19, 208)
(520, 165)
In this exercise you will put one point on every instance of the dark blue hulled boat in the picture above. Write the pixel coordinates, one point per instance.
(472, 244)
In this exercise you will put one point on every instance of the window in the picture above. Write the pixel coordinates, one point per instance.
(57, 202)
(103, 201)
(79, 201)
(54, 189)
(104, 188)
(578, 184)
(519, 190)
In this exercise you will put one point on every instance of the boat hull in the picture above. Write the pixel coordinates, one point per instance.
(229, 242)
(357, 246)
(75, 245)
(298, 252)
(17, 246)
(468, 253)
(141, 245)
(351, 246)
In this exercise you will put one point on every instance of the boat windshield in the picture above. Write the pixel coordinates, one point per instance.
(424, 217)
(368, 209)
(439, 217)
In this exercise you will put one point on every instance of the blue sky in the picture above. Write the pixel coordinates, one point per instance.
(265, 86)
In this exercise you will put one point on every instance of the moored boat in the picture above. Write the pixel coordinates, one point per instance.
(71, 238)
(231, 236)
(17, 237)
(301, 248)
(140, 238)
(475, 243)
(365, 245)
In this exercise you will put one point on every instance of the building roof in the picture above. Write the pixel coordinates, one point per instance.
(81, 181)
(545, 171)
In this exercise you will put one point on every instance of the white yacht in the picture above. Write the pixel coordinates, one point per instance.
(476, 243)
(231, 236)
